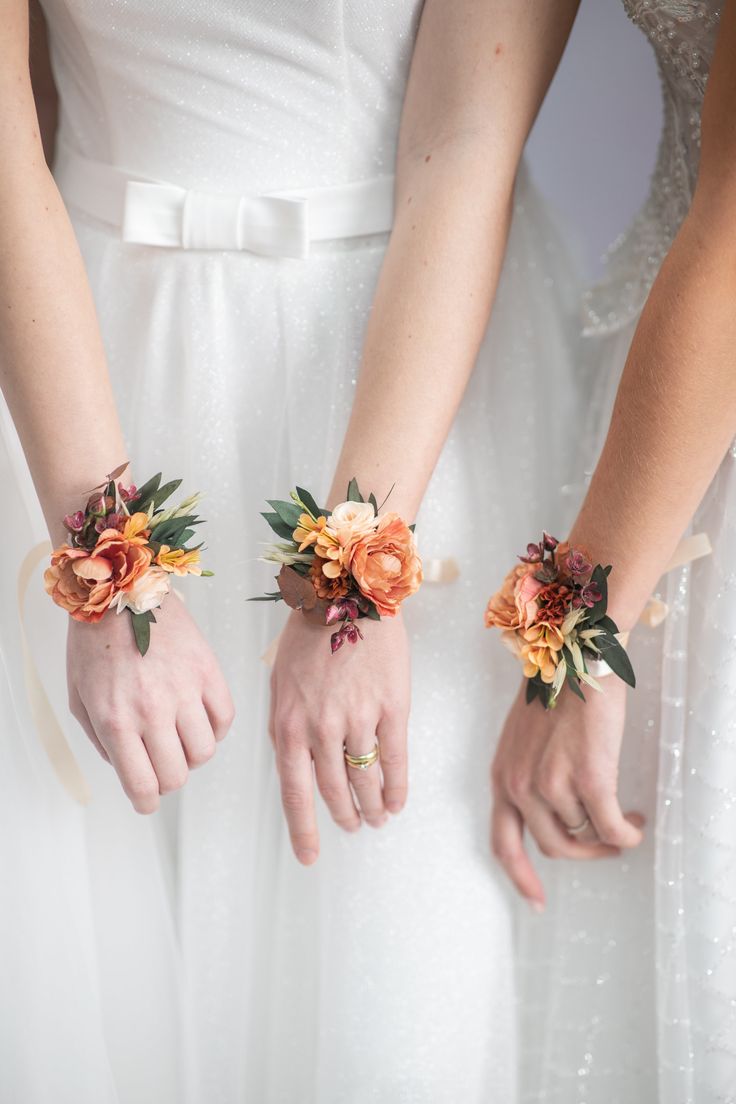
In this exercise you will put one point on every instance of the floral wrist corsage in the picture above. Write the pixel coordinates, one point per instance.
(122, 551)
(552, 610)
(351, 561)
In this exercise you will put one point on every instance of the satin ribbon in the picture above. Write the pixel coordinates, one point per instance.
(54, 741)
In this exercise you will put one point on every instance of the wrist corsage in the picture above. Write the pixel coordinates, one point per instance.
(122, 550)
(552, 610)
(348, 563)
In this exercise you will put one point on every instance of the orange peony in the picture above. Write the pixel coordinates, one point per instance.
(85, 583)
(502, 611)
(386, 566)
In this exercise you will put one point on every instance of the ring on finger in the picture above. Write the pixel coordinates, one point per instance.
(361, 762)
(578, 828)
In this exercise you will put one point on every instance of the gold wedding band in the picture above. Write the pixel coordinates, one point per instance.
(361, 762)
(579, 827)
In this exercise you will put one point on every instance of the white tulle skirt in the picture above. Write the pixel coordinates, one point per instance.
(628, 982)
(187, 957)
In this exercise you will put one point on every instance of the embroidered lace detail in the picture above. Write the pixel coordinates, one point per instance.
(682, 34)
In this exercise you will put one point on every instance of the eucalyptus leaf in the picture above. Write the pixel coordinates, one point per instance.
(532, 690)
(280, 528)
(354, 494)
(165, 492)
(373, 501)
(145, 493)
(608, 624)
(372, 613)
(617, 659)
(141, 631)
(308, 501)
(289, 512)
(277, 597)
(575, 687)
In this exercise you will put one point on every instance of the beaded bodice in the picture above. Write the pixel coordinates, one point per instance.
(683, 34)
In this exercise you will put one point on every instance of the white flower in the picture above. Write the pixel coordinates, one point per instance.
(352, 520)
(147, 592)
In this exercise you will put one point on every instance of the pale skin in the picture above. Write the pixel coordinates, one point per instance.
(478, 76)
(155, 718)
(673, 421)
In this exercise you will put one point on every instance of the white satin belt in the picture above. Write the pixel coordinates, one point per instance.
(280, 224)
(52, 737)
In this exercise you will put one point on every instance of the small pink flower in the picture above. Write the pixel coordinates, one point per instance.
(588, 596)
(550, 543)
(534, 553)
(128, 494)
(340, 610)
(577, 564)
(112, 521)
(74, 522)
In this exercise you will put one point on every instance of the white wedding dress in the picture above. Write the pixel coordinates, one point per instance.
(629, 980)
(186, 958)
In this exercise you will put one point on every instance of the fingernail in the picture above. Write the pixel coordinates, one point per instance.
(536, 906)
(394, 806)
(306, 857)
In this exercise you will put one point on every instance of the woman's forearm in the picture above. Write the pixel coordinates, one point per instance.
(429, 314)
(673, 421)
(675, 413)
(478, 76)
(52, 364)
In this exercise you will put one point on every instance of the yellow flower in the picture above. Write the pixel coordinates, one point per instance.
(135, 528)
(179, 560)
(308, 530)
(540, 652)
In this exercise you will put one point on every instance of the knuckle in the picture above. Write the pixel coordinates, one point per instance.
(549, 787)
(293, 800)
(174, 780)
(331, 792)
(201, 755)
(517, 785)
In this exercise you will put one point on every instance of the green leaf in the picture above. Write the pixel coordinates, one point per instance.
(146, 493)
(280, 528)
(308, 501)
(574, 685)
(373, 501)
(617, 659)
(532, 690)
(600, 579)
(207, 574)
(185, 536)
(289, 512)
(142, 630)
(166, 532)
(164, 492)
(354, 494)
(372, 613)
(277, 597)
(608, 570)
(608, 624)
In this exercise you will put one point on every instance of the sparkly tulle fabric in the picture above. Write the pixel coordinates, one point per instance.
(628, 984)
(186, 958)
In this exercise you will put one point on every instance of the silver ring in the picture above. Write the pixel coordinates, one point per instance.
(578, 827)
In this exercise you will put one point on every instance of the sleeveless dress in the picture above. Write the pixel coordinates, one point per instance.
(629, 980)
(186, 958)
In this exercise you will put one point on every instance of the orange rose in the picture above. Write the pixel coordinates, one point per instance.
(386, 566)
(84, 583)
(502, 610)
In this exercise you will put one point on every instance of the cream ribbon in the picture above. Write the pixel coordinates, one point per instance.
(55, 743)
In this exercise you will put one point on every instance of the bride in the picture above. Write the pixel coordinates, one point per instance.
(629, 980)
(188, 956)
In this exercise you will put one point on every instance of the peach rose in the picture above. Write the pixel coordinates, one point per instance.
(146, 593)
(352, 520)
(502, 611)
(386, 566)
(525, 594)
(85, 583)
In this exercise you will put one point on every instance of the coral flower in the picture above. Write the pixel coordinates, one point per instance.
(84, 583)
(386, 566)
(180, 561)
(502, 610)
(553, 603)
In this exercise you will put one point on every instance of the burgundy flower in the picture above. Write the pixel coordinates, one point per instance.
(588, 596)
(75, 522)
(341, 610)
(349, 632)
(550, 543)
(577, 564)
(112, 521)
(128, 494)
(534, 553)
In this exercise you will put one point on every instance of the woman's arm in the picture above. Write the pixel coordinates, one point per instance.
(672, 423)
(151, 722)
(45, 92)
(478, 76)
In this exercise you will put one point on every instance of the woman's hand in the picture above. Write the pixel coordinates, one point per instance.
(154, 717)
(322, 703)
(553, 771)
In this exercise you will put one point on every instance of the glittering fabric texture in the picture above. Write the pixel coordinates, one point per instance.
(190, 959)
(628, 984)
